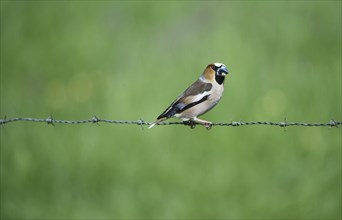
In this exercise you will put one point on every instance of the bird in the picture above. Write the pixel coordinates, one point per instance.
(198, 98)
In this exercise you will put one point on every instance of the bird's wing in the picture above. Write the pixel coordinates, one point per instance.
(197, 93)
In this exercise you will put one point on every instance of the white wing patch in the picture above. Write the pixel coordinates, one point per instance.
(198, 97)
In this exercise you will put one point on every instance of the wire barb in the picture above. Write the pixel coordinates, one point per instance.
(49, 120)
(141, 122)
(95, 120)
(334, 123)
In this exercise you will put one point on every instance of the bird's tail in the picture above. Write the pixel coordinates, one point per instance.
(152, 125)
(157, 122)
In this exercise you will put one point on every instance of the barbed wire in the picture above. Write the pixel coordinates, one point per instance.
(96, 120)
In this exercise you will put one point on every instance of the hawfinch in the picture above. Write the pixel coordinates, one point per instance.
(199, 98)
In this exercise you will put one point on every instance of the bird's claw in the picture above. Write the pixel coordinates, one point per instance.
(208, 125)
(193, 124)
(190, 123)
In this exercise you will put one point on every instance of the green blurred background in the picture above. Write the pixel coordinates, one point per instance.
(128, 60)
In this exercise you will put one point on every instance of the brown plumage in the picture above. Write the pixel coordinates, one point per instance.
(199, 98)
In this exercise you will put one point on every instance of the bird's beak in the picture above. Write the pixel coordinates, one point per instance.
(223, 70)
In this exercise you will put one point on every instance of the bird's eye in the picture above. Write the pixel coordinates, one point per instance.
(215, 68)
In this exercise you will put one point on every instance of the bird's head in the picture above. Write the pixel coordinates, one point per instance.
(215, 72)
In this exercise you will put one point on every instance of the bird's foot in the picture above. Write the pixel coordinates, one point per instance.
(190, 123)
(193, 122)
(208, 125)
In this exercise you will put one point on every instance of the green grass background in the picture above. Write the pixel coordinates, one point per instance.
(129, 60)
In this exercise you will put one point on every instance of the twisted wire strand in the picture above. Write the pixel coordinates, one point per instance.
(94, 119)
